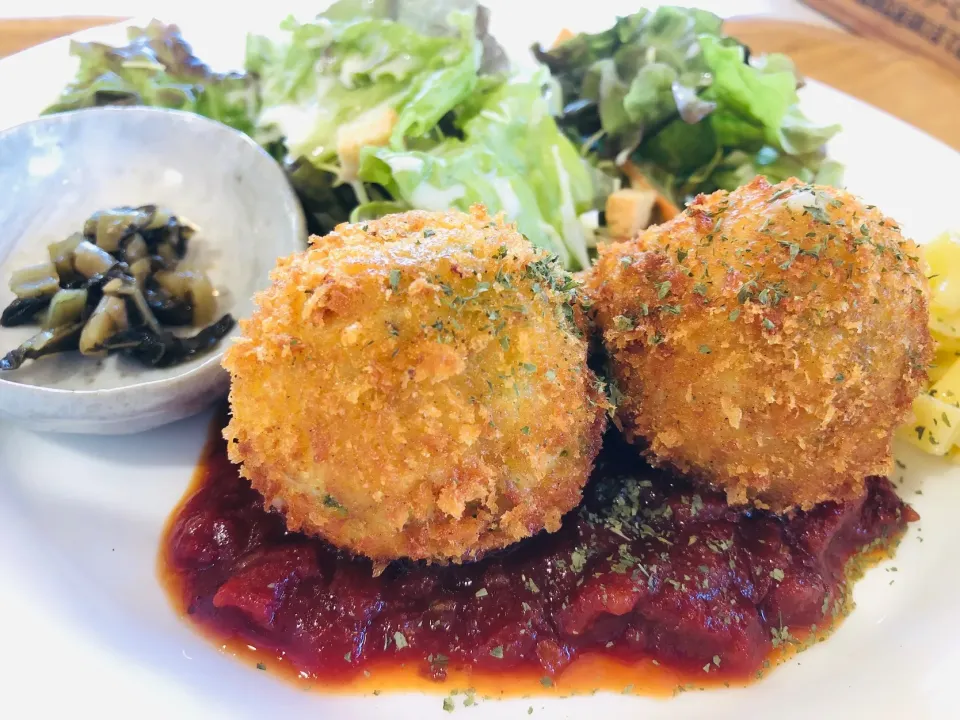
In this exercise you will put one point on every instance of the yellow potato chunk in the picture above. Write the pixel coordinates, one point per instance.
(934, 425)
(943, 258)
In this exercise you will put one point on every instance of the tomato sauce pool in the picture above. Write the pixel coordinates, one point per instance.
(651, 585)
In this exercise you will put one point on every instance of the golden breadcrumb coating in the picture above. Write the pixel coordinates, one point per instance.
(416, 387)
(766, 341)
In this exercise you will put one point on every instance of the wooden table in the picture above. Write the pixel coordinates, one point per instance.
(912, 88)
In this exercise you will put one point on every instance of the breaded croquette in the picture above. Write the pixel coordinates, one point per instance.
(417, 386)
(766, 341)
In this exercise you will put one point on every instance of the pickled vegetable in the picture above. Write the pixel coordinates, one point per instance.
(103, 324)
(35, 281)
(61, 254)
(114, 287)
(168, 349)
(111, 229)
(166, 308)
(140, 270)
(23, 310)
(167, 254)
(193, 287)
(66, 308)
(46, 342)
(90, 260)
(135, 249)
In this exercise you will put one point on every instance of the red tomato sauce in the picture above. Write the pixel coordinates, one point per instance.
(649, 586)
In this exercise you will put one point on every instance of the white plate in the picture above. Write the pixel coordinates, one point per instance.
(85, 625)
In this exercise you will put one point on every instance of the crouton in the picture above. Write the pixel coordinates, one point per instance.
(562, 37)
(372, 127)
(628, 211)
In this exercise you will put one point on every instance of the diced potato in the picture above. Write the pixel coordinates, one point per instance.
(946, 338)
(946, 325)
(942, 362)
(943, 260)
(934, 427)
(953, 455)
(946, 292)
(372, 127)
(628, 211)
(936, 413)
(947, 387)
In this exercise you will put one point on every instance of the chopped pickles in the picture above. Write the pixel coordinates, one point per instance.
(113, 288)
(61, 254)
(192, 287)
(35, 281)
(66, 308)
(136, 249)
(90, 260)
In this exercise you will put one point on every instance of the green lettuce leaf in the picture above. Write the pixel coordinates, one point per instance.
(512, 158)
(403, 65)
(667, 89)
(158, 68)
(760, 98)
(637, 74)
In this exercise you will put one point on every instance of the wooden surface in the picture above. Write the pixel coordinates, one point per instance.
(17, 35)
(926, 27)
(908, 86)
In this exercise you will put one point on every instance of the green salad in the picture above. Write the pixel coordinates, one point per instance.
(668, 91)
(375, 107)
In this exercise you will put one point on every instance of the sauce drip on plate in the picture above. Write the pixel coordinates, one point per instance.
(649, 586)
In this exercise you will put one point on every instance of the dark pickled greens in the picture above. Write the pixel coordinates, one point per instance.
(21, 311)
(689, 105)
(165, 349)
(45, 342)
(158, 68)
(113, 288)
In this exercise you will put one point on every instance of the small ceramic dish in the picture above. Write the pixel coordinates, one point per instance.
(58, 170)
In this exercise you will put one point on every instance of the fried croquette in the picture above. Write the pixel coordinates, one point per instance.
(766, 341)
(417, 386)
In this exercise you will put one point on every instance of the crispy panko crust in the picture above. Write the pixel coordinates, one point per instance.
(416, 387)
(767, 341)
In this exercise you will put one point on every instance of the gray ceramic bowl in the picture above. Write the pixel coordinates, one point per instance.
(59, 169)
